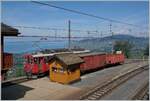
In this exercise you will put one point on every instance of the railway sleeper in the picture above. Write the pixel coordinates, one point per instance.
(96, 96)
(91, 98)
(99, 94)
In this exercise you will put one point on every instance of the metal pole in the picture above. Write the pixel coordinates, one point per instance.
(112, 38)
(69, 35)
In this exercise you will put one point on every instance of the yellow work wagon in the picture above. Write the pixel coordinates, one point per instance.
(65, 68)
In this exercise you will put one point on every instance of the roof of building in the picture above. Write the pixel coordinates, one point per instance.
(69, 58)
(89, 54)
(8, 30)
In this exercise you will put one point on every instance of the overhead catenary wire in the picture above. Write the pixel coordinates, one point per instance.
(48, 28)
(62, 37)
(87, 14)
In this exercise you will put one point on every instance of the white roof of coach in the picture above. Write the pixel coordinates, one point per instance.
(51, 54)
(85, 51)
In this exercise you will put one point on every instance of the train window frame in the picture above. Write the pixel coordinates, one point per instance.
(27, 60)
(44, 60)
(35, 60)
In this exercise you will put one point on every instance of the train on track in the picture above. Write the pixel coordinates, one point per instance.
(94, 61)
(38, 64)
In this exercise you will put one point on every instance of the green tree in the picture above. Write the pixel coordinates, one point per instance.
(123, 46)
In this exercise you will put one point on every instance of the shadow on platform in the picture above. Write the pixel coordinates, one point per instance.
(14, 92)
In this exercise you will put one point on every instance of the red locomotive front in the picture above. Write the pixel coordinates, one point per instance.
(35, 65)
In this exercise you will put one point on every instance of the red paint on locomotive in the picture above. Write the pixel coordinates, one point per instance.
(35, 65)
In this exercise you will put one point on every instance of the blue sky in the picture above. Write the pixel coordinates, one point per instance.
(30, 14)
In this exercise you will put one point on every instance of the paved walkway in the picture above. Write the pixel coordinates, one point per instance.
(38, 89)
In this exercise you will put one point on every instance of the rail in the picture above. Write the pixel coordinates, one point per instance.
(14, 81)
(101, 90)
(142, 94)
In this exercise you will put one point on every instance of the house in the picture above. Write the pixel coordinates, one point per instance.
(65, 68)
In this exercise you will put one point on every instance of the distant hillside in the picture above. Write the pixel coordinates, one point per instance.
(105, 44)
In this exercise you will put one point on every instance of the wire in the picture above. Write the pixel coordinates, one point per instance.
(62, 37)
(82, 13)
(34, 41)
(46, 28)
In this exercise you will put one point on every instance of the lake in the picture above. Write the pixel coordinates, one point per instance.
(26, 44)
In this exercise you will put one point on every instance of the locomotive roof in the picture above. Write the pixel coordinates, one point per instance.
(51, 54)
(69, 58)
(90, 53)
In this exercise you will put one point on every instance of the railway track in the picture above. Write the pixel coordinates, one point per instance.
(102, 90)
(129, 61)
(24, 78)
(142, 94)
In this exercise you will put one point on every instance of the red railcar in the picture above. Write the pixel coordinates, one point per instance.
(114, 59)
(6, 65)
(99, 60)
(8, 61)
(36, 64)
(92, 61)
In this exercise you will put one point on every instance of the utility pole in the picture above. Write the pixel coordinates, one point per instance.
(69, 35)
(112, 37)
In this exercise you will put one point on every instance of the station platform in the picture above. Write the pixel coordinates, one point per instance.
(39, 89)
(44, 89)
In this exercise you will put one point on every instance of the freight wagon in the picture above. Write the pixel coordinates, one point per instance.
(114, 59)
(99, 60)
(7, 64)
(92, 61)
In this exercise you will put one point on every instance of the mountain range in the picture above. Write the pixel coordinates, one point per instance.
(105, 44)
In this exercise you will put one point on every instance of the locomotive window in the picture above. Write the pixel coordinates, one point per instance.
(40, 60)
(35, 60)
(44, 60)
(27, 60)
